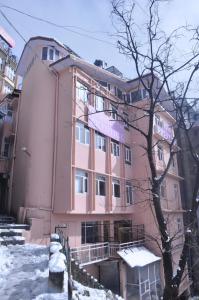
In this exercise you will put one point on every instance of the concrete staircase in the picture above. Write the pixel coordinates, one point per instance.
(10, 232)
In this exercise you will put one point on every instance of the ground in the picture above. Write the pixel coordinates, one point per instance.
(24, 273)
(24, 276)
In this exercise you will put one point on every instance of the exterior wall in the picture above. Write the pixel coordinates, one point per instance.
(34, 151)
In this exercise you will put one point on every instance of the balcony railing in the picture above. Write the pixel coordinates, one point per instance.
(91, 253)
(166, 133)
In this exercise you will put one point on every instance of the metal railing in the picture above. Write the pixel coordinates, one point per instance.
(91, 253)
(75, 271)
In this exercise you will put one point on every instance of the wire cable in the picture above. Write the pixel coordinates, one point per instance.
(64, 27)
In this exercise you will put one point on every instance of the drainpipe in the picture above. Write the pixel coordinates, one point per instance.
(55, 137)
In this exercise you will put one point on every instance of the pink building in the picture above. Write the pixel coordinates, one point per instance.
(81, 167)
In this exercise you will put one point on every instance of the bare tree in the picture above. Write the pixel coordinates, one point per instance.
(152, 56)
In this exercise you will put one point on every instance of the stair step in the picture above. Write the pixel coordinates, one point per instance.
(7, 220)
(14, 240)
(10, 232)
(15, 226)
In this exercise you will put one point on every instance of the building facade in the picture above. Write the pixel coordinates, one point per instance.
(8, 64)
(80, 166)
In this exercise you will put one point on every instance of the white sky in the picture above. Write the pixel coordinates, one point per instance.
(94, 16)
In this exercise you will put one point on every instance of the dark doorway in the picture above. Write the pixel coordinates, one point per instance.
(109, 275)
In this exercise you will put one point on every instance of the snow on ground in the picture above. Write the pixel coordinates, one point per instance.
(24, 273)
(24, 276)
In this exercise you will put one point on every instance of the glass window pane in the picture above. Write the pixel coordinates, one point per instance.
(77, 133)
(151, 272)
(51, 54)
(144, 273)
(82, 138)
(102, 188)
(44, 53)
(87, 136)
(79, 184)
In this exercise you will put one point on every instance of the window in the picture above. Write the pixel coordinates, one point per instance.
(100, 185)
(100, 141)
(129, 193)
(126, 120)
(127, 155)
(128, 98)
(81, 182)
(10, 72)
(44, 53)
(114, 115)
(175, 187)
(7, 89)
(116, 188)
(81, 92)
(179, 224)
(2, 63)
(158, 121)
(50, 53)
(136, 95)
(6, 147)
(163, 189)
(82, 133)
(115, 148)
(99, 103)
(160, 152)
(90, 232)
(56, 54)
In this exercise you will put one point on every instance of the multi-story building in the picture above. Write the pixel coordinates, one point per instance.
(188, 170)
(77, 165)
(8, 64)
(8, 121)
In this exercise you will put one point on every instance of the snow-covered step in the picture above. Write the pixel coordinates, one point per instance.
(6, 219)
(12, 240)
(10, 232)
(15, 226)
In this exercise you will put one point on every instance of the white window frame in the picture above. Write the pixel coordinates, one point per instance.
(116, 182)
(129, 193)
(81, 92)
(158, 121)
(100, 141)
(82, 133)
(82, 177)
(115, 148)
(50, 50)
(99, 103)
(128, 155)
(126, 122)
(100, 179)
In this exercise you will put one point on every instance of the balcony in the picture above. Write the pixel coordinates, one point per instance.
(95, 252)
(162, 132)
(8, 52)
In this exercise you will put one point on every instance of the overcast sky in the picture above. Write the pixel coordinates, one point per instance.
(93, 17)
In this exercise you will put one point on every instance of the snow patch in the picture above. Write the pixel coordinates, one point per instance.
(54, 236)
(56, 264)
